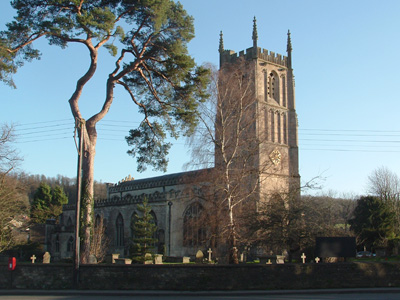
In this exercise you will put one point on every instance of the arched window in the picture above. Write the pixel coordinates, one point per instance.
(132, 225)
(285, 129)
(57, 243)
(119, 226)
(284, 101)
(161, 240)
(278, 115)
(154, 221)
(70, 244)
(273, 86)
(97, 221)
(193, 231)
(272, 114)
(266, 86)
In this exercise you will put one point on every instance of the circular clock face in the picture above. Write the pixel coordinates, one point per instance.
(275, 157)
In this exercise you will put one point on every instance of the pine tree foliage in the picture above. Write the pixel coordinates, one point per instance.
(47, 203)
(373, 222)
(144, 229)
(148, 40)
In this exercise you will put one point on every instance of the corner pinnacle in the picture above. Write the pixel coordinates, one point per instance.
(255, 35)
(221, 43)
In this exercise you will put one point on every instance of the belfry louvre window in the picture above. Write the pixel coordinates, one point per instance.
(273, 86)
(193, 230)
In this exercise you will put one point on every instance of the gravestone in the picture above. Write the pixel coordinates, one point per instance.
(46, 258)
(280, 259)
(114, 257)
(186, 259)
(199, 256)
(148, 259)
(303, 257)
(92, 259)
(317, 259)
(33, 258)
(123, 261)
(209, 251)
(158, 259)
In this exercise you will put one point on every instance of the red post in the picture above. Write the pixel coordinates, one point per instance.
(12, 262)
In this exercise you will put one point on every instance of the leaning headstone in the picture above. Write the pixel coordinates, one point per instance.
(280, 259)
(46, 258)
(92, 259)
(199, 256)
(186, 259)
(158, 259)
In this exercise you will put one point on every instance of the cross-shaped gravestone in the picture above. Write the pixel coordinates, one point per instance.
(317, 259)
(209, 251)
(33, 258)
(303, 257)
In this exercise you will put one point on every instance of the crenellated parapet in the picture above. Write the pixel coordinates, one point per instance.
(159, 181)
(252, 53)
(130, 199)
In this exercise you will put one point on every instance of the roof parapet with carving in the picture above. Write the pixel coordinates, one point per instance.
(159, 181)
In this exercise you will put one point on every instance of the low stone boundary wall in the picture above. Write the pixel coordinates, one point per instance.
(203, 277)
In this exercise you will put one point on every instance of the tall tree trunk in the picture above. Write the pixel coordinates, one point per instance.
(233, 251)
(87, 188)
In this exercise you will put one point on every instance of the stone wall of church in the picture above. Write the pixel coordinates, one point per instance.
(169, 199)
(203, 277)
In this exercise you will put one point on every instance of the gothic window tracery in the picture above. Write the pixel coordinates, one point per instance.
(70, 244)
(69, 222)
(193, 230)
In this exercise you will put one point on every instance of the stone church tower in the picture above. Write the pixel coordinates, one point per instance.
(177, 200)
(274, 115)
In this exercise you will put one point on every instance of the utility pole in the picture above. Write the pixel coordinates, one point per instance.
(80, 126)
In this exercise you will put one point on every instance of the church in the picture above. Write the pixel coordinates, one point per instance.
(177, 199)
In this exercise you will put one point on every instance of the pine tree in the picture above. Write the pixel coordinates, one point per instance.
(144, 228)
(147, 41)
(47, 203)
(373, 222)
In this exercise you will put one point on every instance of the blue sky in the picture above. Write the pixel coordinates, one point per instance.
(345, 59)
